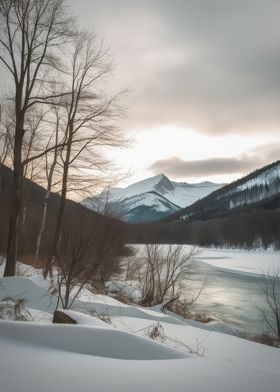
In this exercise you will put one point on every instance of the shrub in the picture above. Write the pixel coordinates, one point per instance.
(14, 309)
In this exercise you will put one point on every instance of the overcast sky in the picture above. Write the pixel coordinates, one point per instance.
(204, 79)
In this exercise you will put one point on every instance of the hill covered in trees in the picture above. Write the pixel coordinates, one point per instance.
(97, 238)
(244, 213)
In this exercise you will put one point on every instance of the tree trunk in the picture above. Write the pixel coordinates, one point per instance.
(60, 214)
(46, 199)
(16, 198)
(16, 202)
(43, 224)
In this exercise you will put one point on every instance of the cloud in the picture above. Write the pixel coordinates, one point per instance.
(212, 66)
(179, 168)
(267, 153)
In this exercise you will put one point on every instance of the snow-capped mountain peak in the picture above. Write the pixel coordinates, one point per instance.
(158, 183)
(152, 198)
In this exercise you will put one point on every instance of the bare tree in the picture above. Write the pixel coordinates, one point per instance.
(72, 274)
(31, 31)
(14, 309)
(89, 123)
(89, 255)
(35, 132)
(271, 293)
(50, 164)
(165, 271)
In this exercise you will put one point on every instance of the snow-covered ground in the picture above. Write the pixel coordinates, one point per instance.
(120, 356)
(254, 262)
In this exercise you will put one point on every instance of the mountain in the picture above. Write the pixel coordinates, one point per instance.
(245, 213)
(151, 199)
(260, 188)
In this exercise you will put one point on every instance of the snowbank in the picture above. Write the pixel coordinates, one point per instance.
(77, 358)
(121, 356)
(81, 339)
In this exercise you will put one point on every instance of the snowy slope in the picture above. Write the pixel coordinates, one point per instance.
(179, 193)
(78, 366)
(149, 199)
(261, 185)
(270, 177)
(146, 206)
(185, 194)
(120, 357)
(152, 198)
(160, 183)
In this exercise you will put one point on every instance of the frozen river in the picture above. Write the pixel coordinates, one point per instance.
(235, 283)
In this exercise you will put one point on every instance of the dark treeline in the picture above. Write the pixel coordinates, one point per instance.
(248, 229)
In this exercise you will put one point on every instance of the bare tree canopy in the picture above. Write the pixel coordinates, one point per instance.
(87, 117)
(31, 33)
(165, 272)
(58, 117)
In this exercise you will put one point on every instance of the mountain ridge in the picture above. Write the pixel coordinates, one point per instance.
(243, 214)
(152, 198)
(254, 188)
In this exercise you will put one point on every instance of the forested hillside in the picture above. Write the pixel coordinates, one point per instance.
(245, 213)
(93, 235)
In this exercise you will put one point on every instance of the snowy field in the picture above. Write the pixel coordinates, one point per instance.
(119, 355)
